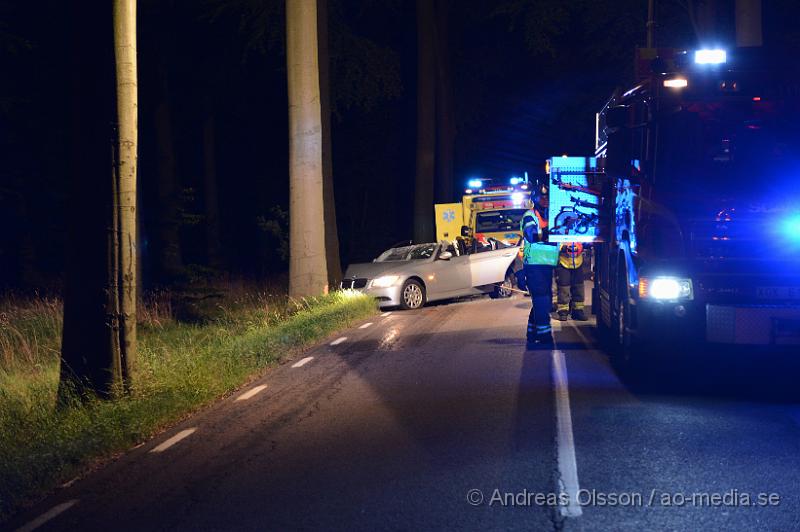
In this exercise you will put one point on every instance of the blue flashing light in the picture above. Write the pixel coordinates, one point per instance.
(474, 183)
(515, 181)
(710, 57)
(791, 228)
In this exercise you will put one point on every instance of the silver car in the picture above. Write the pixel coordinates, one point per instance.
(410, 276)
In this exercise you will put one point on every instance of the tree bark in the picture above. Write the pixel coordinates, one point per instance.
(211, 196)
(308, 275)
(99, 335)
(426, 122)
(331, 227)
(127, 119)
(445, 121)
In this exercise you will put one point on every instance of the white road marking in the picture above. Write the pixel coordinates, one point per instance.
(173, 440)
(302, 362)
(556, 325)
(386, 314)
(69, 483)
(48, 515)
(368, 324)
(250, 393)
(567, 465)
(339, 340)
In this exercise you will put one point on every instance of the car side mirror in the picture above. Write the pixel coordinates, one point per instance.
(445, 255)
(465, 231)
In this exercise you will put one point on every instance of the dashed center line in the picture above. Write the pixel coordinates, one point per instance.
(48, 515)
(364, 326)
(173, 440)
(339, 340)
(250, 393)
(302, 362)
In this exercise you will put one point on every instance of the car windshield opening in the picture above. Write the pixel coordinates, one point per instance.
(418, 252)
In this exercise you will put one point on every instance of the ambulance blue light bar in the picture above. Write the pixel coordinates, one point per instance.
(791, 228)
(710, 57)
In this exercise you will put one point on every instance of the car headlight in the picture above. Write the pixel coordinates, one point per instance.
(385, 281)
(665, 288)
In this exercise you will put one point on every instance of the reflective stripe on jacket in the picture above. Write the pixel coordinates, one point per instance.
(534, 250)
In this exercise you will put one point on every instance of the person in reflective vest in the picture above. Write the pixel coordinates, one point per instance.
(539, 258)
(569, 279)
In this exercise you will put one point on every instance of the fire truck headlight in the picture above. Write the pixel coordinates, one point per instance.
(385, 282)
(676, 83)
(517, 198)
(665, 288)
(710, 57)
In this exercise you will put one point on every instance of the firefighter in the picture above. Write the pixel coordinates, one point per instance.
(539, 258)
(569, 278)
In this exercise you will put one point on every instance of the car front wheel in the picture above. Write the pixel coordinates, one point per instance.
(412, 295)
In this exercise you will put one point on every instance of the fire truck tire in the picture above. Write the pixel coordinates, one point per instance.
(625, 350)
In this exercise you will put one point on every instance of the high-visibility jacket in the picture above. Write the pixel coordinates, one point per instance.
(534, 249)
(571, 255)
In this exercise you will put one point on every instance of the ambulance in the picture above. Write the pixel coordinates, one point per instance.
(487, 216)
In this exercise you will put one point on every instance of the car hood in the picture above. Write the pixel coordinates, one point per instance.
(371, 270)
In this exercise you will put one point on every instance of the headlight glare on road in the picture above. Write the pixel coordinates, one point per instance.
(665, 288)
(385, 281)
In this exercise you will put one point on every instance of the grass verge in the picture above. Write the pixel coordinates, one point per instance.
(181, 368)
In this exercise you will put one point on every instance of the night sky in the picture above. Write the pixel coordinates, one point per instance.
(527, 78)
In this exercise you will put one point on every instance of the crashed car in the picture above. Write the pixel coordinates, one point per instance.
(410, 276)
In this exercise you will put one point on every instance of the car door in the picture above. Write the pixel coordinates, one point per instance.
(444, 278)
(489, 267)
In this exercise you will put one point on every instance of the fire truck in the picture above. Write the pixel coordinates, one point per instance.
(700, 201)
(487, 215)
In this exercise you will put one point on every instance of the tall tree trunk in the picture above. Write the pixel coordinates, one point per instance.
(127, 119)
(211, 196)
(426, 122)
(445, 121)
(99, 336)
(169, 256)
(331, 228)
(308, 275)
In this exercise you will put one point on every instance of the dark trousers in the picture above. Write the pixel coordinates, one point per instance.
(540, 285)
(570, 288)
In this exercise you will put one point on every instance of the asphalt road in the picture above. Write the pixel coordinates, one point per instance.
(395, 427)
